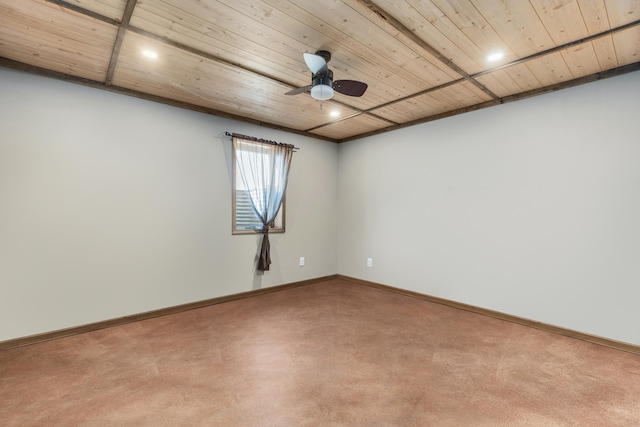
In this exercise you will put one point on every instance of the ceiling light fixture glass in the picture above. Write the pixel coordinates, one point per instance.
(322, 92)
(495, 56)
(322, 86)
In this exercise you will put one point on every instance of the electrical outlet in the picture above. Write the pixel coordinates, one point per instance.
(369, 262)
(301, 261)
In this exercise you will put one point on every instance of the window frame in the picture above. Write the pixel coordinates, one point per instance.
(280, 221)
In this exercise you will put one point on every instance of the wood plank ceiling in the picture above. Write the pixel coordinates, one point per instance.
(422, 59)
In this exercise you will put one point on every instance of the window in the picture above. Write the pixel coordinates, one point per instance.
(244, 219)
(260, 175)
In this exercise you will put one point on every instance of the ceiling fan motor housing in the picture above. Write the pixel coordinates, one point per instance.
(322, 78)
(325, 54)
(322, 85)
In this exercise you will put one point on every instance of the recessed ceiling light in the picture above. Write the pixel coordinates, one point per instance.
(150, 54)
(495, 56)
(334, 113)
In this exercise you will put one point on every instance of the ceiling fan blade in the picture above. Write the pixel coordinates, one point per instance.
(350, 87)
(316, 63)
(299, 90)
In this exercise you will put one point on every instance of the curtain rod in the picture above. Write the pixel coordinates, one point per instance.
(264, 141)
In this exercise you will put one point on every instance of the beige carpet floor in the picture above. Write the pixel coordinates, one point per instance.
(328, 354)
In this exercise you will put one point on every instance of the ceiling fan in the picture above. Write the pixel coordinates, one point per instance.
(322, 85)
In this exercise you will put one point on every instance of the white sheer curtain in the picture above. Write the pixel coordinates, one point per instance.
(264, 168)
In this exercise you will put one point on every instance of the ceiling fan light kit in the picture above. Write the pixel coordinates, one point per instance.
(322, 86)
(322, 92)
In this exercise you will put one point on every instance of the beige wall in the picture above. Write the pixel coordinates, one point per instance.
(112, 205)
(530, 208)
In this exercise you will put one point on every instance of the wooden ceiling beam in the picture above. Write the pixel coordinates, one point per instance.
(559, 48)
(32, 69)
(83, 11)
(351, 116)
(399, 26)
(124, 25)
(504, 100)
(124, 91)
(208, 56)
(510, 64)
(122, 29)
